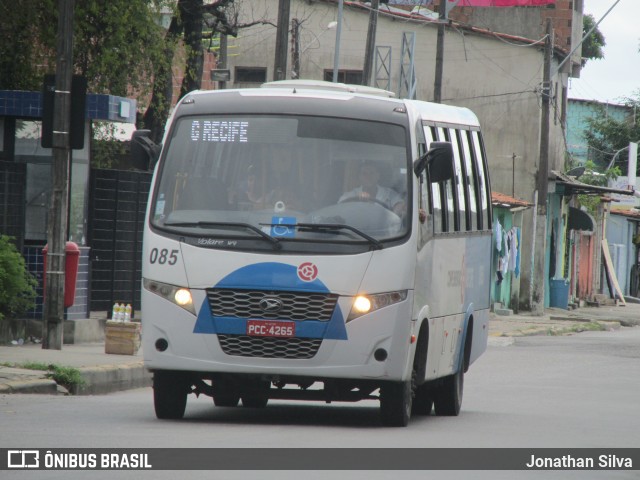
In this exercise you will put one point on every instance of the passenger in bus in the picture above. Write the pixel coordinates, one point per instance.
(371, 191)
(250, 188)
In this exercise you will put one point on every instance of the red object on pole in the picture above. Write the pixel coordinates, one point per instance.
(72, 259)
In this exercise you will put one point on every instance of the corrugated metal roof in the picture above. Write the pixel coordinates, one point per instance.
(502, 200)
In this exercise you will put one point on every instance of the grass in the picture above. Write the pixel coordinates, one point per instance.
(577, 328)
(68, 377)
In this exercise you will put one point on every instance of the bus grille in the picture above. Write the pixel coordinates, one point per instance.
(295, 305)
(269, 347)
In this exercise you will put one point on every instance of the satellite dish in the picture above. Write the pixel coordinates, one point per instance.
(576, 172)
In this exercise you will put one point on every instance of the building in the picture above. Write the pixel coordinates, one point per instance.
(25, 180)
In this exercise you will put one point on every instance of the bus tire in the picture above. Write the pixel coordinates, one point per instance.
(423, 401)
(170, 392)
(448, 396)
(396, 400)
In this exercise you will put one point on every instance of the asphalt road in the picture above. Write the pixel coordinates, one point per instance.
(579, 391)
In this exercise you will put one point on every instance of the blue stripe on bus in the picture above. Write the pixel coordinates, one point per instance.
(270, 276)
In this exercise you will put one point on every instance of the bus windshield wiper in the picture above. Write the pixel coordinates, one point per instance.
(247, 226)
(376, 244)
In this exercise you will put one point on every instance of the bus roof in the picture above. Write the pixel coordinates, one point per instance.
(369, 102)
(331, 86)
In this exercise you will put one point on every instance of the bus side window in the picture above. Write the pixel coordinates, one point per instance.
(449, 196)
(459, 182)
(470, 181)
(436, 193)
(484, 192)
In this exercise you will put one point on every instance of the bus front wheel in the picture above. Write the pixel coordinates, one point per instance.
(170, 390)
(396, 399)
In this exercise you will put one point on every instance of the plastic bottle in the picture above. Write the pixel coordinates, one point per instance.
(120, 313)
(115, 312)
(127, 313)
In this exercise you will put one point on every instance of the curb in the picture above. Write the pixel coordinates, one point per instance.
(40, 385)
(98, 380)
(112, 378)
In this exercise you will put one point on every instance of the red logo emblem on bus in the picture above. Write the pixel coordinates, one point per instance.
(307, 272)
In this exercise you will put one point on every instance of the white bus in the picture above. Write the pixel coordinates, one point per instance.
(316, 241)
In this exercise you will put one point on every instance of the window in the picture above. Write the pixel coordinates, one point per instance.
(250, 74)
(436, 192)
(471, 180)
(449, 199)
(481, 165)
(353, 77)
(458, 182)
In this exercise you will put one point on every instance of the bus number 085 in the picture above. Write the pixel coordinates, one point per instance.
(163, 256)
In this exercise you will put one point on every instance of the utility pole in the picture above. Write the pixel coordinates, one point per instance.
(282, 40)
(295, 48)
(542, 182)
(371, 41)
(336, 54)
(58, 204)
(222, 58)
(437, 85)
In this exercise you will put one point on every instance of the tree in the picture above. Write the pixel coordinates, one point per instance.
(592, 47)
(28, 39)
(195, 21)
(17, 285)
(119, 46)
(116, 43)
(607, 136)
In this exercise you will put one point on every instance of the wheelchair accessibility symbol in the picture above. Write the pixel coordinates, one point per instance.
(280, 229)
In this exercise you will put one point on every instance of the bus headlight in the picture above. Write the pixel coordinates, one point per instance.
(179, 295)
(363, 304)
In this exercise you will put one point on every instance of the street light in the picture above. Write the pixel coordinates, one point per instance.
(316, 38)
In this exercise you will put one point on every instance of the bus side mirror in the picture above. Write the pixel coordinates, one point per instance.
(144, 151)
(439, 161)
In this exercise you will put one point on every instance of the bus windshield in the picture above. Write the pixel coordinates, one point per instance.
(292, 178)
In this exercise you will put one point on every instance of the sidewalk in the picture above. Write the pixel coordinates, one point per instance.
(101, 372)
(105, 373)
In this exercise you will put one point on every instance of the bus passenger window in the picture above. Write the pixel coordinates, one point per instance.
(459, 184)
(472, 185)
(433, 189)
(482, 177)
(449, 197)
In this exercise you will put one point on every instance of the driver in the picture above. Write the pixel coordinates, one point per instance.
(370, 191)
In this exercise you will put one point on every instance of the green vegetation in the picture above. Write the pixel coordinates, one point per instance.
(577, 328)
(68, 377)
(593, 45)
(17, 285)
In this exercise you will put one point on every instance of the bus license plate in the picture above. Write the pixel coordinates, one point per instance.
(268, 328)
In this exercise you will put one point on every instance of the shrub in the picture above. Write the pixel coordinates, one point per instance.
(17, 284)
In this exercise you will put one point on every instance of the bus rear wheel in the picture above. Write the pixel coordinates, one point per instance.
(396, 399)
(448, 397)
(170, 390)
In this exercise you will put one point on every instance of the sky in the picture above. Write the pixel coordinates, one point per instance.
(618, 73)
